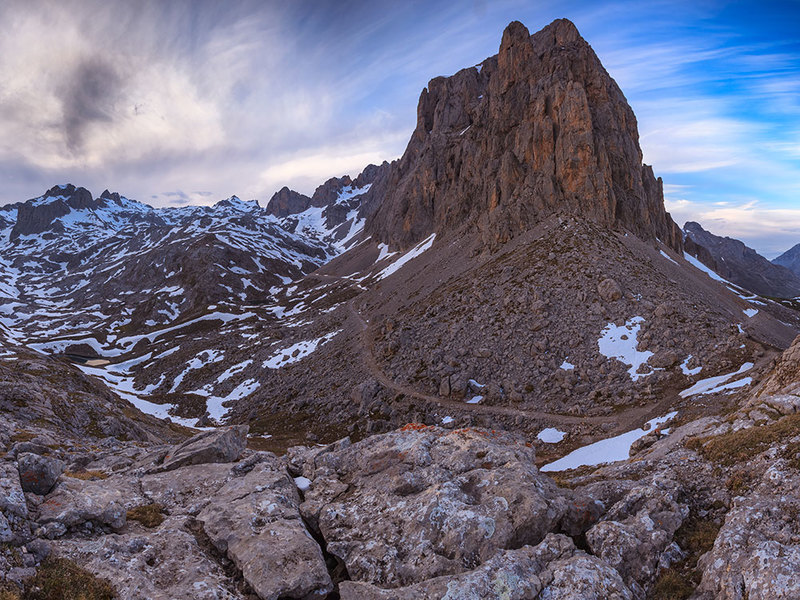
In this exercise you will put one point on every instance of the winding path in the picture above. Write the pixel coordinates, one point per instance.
(626, 420)
(387, 382)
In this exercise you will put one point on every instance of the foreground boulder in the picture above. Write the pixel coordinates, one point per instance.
(163, 564)
(422, 502)
(553, 569)
(255, 520)
(87, 505)
(757, 551)
(38, 474)
(638, 530)
(216, 446)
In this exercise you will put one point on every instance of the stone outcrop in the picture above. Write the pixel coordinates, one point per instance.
(638, 531)
(39, 215)
(287, 202)
(785, 377)
(255, 520)
(428, 501)
(539, 129)
(552, 569)
(757, 551)
(86, 505)
(163, 564)
(740, 264)
(215, 446)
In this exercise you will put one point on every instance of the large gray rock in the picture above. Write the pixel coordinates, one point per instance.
(89, 504)
(519, 574)
(38, 474)
(12, 498)
(216, 446)
(584, 577)
(256, 521)
(638, 530)
(414, 504)
(187, 489)
(163, 564)
(757, 551)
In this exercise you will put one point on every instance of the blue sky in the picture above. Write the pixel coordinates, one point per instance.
(171, 102)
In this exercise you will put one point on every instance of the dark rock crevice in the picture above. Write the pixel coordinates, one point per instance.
(233, 574)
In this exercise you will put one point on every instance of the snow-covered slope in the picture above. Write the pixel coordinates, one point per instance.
(74, 266)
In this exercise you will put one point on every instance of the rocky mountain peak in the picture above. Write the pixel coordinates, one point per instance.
(738, 263)
(790, 259)
(41, 214)
(537, 130)
(328, 192)
(113, 196)
(287, 202)
(236, 203)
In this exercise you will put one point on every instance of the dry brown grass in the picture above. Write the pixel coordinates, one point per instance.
(149, 515)
(86, 475)
(61, 579)
(740, 446)
(695, 537)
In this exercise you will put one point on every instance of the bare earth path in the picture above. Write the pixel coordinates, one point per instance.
(625, 420)
(629, 418)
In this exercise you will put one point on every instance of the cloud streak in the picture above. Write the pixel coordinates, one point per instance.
(247, 96)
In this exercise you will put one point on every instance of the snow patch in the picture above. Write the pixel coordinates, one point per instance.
(605, 451)
(712, 384)
(411, 254)
(620, 342)
(214, 403)
(668, 257)
(297, 352)
(698, 265)
(685, 367)
(551, 435)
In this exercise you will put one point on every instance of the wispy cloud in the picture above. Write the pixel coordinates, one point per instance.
(247, 96)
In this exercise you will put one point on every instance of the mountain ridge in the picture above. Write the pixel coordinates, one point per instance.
(790, 259)
(472, 162)
(740, 264)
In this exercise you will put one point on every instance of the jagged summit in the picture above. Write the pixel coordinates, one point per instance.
(790, 259)
(539, 129)
(287, 202)
(236, 203)
(740, 264)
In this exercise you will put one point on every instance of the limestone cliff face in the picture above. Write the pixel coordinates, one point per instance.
(287, 202)
(38, 215)
(539, 129)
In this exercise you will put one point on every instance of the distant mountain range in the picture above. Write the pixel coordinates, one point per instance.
(743, 266)
(393, 358)
(790, 259)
